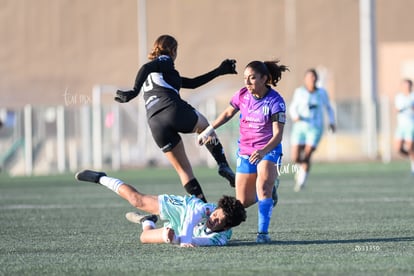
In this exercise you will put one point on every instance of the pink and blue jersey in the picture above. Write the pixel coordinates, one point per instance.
(256, 118)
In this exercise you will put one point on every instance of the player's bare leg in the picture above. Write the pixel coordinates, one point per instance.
(150, 234)
(400, 147)
(158, 235)
(297, 153)
(304, 167)
(246, 188)
(179, 160)
(147, 203)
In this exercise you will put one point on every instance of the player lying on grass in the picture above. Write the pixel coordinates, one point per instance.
(189, 221)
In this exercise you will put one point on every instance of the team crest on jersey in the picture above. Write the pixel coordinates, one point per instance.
(282, 106)
(266, 110)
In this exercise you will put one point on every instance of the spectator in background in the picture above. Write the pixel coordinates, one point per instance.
(307, 113)
(404, 136)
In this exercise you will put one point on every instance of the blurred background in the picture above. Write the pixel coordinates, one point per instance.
(61, 62)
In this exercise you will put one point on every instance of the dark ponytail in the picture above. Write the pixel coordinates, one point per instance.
(272, 69)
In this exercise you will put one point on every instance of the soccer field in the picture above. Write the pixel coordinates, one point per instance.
(352, 219)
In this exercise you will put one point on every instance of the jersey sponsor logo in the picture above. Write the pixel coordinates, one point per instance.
(253, 119)
(175, 201)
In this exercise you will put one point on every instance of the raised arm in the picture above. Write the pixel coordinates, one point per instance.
(228, 66)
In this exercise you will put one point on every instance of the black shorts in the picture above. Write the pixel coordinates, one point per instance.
(168, 123)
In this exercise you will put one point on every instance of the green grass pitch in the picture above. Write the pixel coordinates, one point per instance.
(352, 219)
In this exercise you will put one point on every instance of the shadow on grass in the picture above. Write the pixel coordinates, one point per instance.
(313, 242)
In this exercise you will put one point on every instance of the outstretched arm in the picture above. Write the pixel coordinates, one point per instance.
(228, 66)
(223, 118)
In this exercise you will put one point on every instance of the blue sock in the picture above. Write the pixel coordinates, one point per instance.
(265, 207)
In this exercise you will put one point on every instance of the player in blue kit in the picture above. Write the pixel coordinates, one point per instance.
(261, 122)
(190, 221)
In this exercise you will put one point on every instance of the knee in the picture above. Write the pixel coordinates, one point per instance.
(247, 202)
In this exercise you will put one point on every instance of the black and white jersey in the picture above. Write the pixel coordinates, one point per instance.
(161, 83)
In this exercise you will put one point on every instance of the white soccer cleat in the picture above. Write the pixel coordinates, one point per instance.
(136, 217)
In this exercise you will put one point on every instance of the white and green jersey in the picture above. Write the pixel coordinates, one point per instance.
(405, 106)
(187, 216)
(308, 107)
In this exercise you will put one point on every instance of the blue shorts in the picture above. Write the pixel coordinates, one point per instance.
(244, 166)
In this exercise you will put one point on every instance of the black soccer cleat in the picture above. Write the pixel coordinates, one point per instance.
(225, 171)
(89, 176)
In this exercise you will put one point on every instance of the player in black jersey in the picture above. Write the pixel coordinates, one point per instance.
(168, 114)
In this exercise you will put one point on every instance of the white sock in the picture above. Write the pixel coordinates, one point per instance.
(111, 183)
(147, 223)
(303, 175)
(412, 166)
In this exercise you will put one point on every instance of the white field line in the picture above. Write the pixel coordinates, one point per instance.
(299, 201)
(58, 206)
(351, 200)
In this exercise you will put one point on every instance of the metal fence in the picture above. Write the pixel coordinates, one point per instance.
(90, 134)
